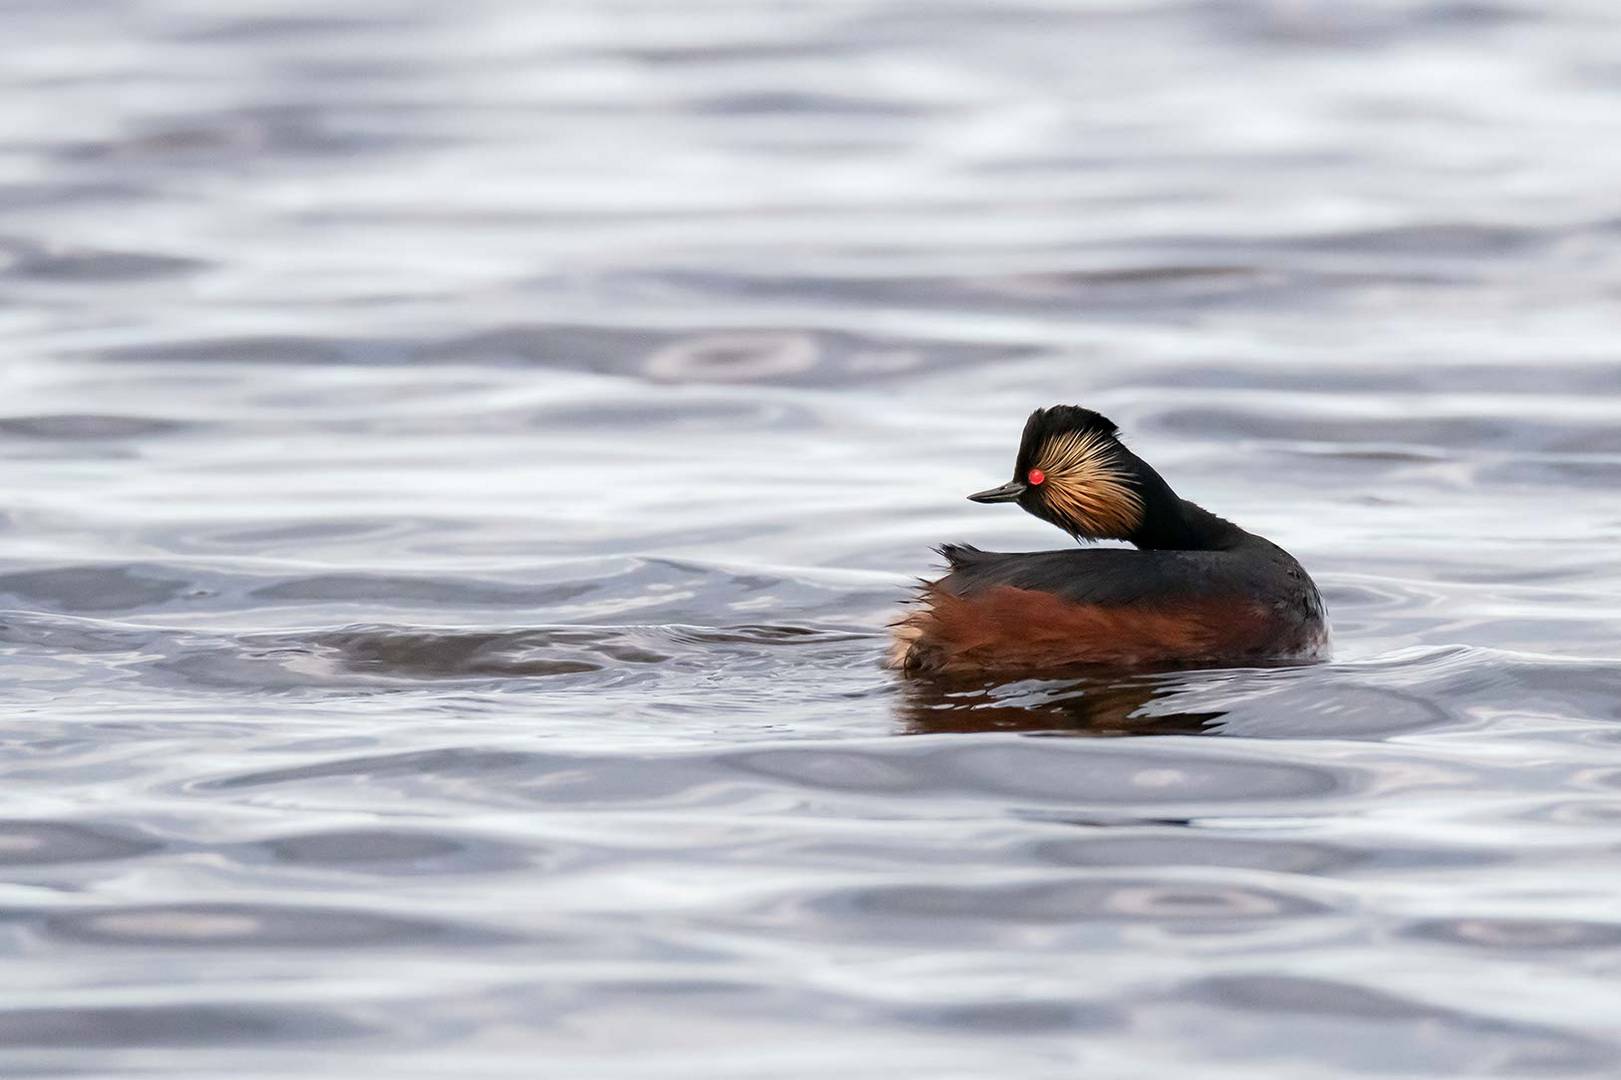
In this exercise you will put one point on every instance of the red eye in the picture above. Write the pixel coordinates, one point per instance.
(1036, 477)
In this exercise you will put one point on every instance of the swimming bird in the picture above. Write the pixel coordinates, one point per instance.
(1198, 590)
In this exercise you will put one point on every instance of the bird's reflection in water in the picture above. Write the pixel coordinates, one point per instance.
(1137, 704)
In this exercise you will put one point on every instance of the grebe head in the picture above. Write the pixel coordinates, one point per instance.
(1073, 471)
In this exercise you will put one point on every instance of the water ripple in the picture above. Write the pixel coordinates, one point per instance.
(461, 460)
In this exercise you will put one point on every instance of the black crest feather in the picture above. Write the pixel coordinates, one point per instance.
(1054, 420)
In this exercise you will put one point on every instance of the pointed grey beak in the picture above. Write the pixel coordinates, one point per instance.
(1008, 492)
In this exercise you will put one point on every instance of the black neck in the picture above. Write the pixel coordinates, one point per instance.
(1171, 523)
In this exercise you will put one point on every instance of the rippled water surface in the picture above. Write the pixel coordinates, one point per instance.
(459, 461)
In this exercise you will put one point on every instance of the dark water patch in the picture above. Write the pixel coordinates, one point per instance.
(134, 1026)
(70, 428)
(362, 847)
(1188, 848)
(1600, 474)
(1210, 906)
(1353, 29)
(393, 589)
(244, 925)
(706, 53)
(396, 652)
(687, 415)
(225, 139)
(44, 843)
(264, 349)
(1524, 935)
(1463, 239)
(787, 103)
(579, 348)
(92, 587)
(1443, 245)
(375, 656)
(1183, 847)
(392, 851)
(1250, 26)
(61, 191)
(1013, 1017)
(1368, 1030)
(1153, 275)
(1124, 284)
(1289, 994)
(1011, 24)
(254, 28)
(91, 266)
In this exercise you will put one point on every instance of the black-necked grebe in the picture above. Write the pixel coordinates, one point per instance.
(1200, 590)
